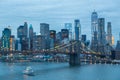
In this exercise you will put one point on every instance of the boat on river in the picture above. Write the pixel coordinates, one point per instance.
(28, 71)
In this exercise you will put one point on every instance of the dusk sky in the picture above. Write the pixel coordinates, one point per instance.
(58, 12)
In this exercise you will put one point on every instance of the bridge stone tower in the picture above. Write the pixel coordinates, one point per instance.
(75, 53)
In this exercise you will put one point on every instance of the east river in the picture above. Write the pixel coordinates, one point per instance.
(59, 71)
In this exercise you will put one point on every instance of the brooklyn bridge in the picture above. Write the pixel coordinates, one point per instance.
(74, 49)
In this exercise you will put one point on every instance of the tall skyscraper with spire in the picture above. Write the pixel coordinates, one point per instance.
(94, 22)
(94, 31)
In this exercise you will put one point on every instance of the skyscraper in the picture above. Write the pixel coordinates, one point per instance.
(22, 34)
(58, 38)
(113, 41)
(101, 31)
(69, 27)
(101, 36)
(117, 49)
(12, 43)
(53, 34)
(20, 31)
(77, 30)
(0, 44)
(6, 33)
(94, 22)
(25, 29)
(52, 38)
(31, 37)
(39, 42)
(44, 30)
(94, 31)
(65, 34)
(118, 44)
(109, 33)
(83, 38)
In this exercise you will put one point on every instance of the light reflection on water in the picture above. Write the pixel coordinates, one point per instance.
(60, 71)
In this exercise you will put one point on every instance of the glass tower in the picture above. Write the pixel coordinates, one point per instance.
(69, 27)
(101, 36)
(94, 31)
(44, 30)
(6, 33)
(31, 37)
(77, 29)
(109, 33)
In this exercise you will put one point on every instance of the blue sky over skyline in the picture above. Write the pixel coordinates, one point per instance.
(58, 12)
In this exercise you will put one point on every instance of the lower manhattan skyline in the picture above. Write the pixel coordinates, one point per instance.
(56, 13)
(59, 40)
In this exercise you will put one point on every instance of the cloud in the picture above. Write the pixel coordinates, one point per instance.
(58, 12)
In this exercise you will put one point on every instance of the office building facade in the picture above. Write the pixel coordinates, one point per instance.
(6, 33)
(77, 30)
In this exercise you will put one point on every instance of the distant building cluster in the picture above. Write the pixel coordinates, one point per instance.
(27, 39)
(101, 40)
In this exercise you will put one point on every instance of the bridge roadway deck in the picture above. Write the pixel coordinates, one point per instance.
(43, 52)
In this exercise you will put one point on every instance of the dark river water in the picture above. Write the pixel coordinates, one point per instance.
(59, 71)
